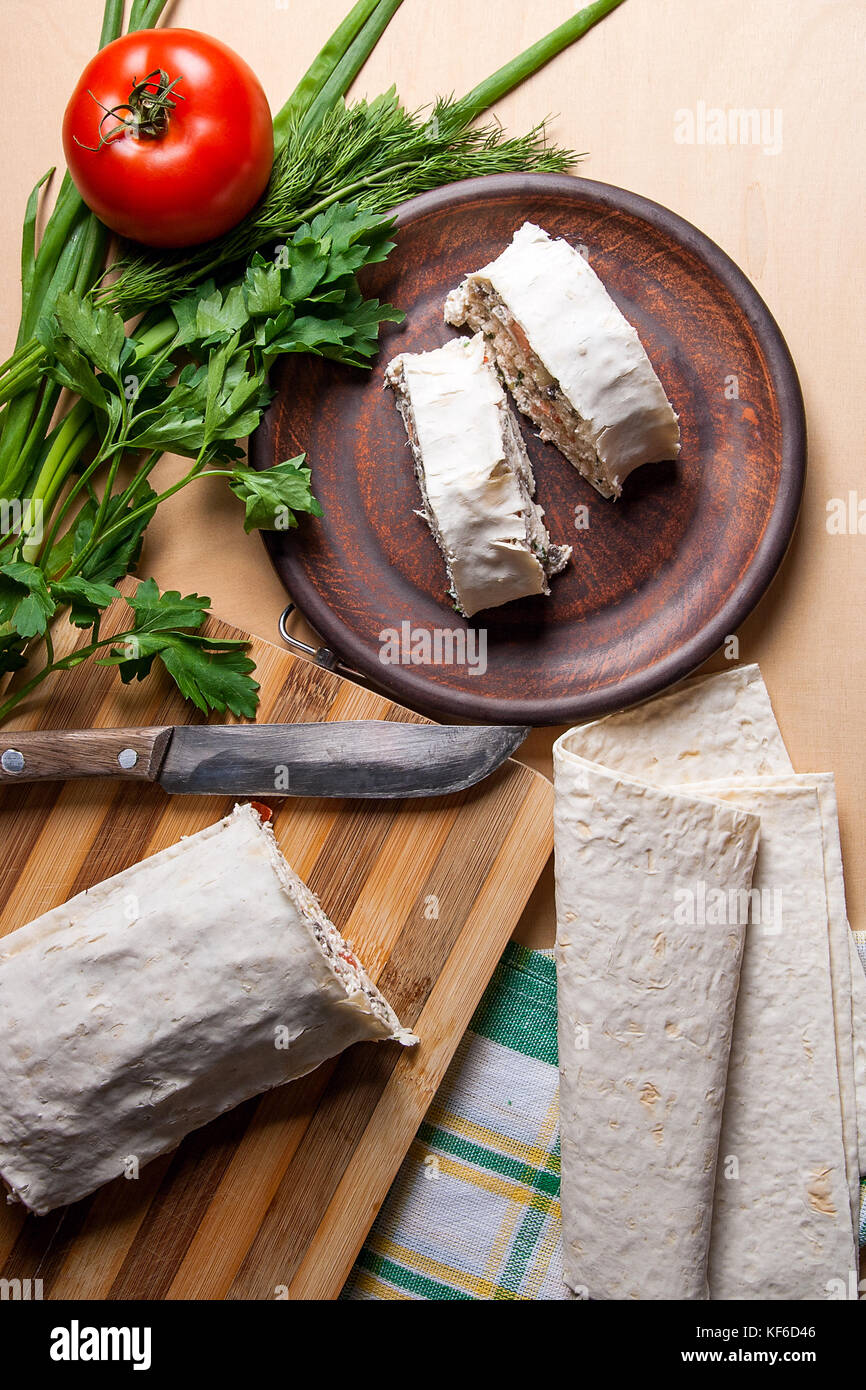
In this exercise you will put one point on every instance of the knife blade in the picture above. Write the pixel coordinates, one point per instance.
(357, 758)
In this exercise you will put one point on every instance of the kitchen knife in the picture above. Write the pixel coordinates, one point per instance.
(363, 758)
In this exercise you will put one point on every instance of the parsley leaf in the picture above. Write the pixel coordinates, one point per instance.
(353, 236)
(97, 333)
(213, 673)
(71, 369)
(273, 496)
(208, 316)
(208, 408)
(264, 289)
(25, 602)
(115, 557)
(86, 598)
(156, 612)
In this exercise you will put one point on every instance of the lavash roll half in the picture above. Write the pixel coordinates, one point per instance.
(570, 358)
(474, 474)
(162, 997)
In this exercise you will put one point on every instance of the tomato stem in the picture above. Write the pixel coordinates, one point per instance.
(148, 110)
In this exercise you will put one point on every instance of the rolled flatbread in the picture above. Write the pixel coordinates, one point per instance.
(157, 1000)
(647, 991)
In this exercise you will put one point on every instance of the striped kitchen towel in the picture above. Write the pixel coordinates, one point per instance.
(474, 1211)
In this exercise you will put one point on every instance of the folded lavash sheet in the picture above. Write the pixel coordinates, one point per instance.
(711, 726)
(858, 1010)
(646, 1010)
(787, 1191)
(162, 997)
(793, 1138)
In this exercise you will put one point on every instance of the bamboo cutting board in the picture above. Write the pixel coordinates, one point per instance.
(274, 1199)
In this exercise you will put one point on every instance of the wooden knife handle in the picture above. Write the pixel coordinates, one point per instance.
(53, 755)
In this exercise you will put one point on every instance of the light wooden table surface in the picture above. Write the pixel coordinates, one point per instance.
(789, 210)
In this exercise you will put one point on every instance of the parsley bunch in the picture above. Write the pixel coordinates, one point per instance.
(212, 673)
(193, 382)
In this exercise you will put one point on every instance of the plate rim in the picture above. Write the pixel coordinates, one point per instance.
(404, 683)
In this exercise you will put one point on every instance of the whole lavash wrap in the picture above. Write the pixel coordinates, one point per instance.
(162, 997)
(793, 1138)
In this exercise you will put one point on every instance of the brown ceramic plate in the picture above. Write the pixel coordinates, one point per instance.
(659, 579)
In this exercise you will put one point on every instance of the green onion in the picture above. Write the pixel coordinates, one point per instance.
(309, 89)
(28, 244)
(145, 14)
(112, 21)
(532, 59)
(350, 64)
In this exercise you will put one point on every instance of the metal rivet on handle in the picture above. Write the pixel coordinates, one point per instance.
(127, 757)
(12, 760)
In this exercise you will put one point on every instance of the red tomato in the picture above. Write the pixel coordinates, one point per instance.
(169, 175)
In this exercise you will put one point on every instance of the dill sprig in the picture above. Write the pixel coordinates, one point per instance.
(375, 153)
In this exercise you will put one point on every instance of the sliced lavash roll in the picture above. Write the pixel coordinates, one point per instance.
(787, 1189)
(474, 475)
(162, 997)
(646, 1008)
(572, 361)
